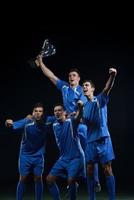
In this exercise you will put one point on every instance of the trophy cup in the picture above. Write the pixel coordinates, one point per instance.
(47, 50)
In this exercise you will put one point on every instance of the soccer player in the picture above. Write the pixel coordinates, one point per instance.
(99, 147)
(71, 161)
(71, 93)
(32, 149)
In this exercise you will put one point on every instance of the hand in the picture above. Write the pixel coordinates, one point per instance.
(72, 114)
(38, 60)
(112, 71)
(29, 116)
(80, 103)
(9, 123)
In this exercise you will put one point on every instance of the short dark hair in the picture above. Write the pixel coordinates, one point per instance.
(59, 104)
(74, 70)
(38, 104)
(90, 81)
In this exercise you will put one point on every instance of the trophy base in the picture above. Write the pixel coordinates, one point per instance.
(32, 63)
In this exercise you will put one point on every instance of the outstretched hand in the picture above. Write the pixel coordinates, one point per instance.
(9, 123)
(29, 116)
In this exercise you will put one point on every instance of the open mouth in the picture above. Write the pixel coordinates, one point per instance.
(85, 91)
(71, 81)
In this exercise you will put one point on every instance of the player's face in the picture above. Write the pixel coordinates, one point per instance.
(88, 89)
(74, 78)
(38, 113)
(59, 112)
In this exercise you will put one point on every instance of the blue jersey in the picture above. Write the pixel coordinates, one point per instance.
(70, 95)
(67, 139)
(82, 134)
(33, 136)
(95, 117)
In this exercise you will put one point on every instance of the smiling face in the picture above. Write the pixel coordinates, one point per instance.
(88, 88)
(73, 78)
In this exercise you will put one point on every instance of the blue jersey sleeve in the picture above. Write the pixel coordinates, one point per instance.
(60, 84)
(50, 120)
(82, 130)
(83, 98)
(20, 123)
(74, 125)
(103, 99)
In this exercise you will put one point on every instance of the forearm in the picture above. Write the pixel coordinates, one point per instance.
(79, 113)
(46, 71)
(19, 124)
(110, 82)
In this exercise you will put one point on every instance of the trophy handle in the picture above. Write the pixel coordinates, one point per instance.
(47, 50)
(44, 43)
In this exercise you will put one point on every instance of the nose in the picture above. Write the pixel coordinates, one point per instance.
(38, 113)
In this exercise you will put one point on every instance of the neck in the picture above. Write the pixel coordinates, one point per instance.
(90, 97)
(74, 86)
(62, 119)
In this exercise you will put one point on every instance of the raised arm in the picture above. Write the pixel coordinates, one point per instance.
(79, 112)
(110, 82)
(47, 72)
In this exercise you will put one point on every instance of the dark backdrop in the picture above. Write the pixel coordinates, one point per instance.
(91, 48)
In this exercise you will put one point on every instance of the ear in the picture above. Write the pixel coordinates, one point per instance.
(65, 113)
(93, 89)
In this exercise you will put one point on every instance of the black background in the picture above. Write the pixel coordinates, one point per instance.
(92, 48)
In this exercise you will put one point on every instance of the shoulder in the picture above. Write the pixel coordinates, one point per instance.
(102, 95)
(61, 82)
(29, 122)
(102, 98)
(49, 120)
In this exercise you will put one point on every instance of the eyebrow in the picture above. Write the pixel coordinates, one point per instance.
(73, 73)
(37, 110)
(57, 109)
